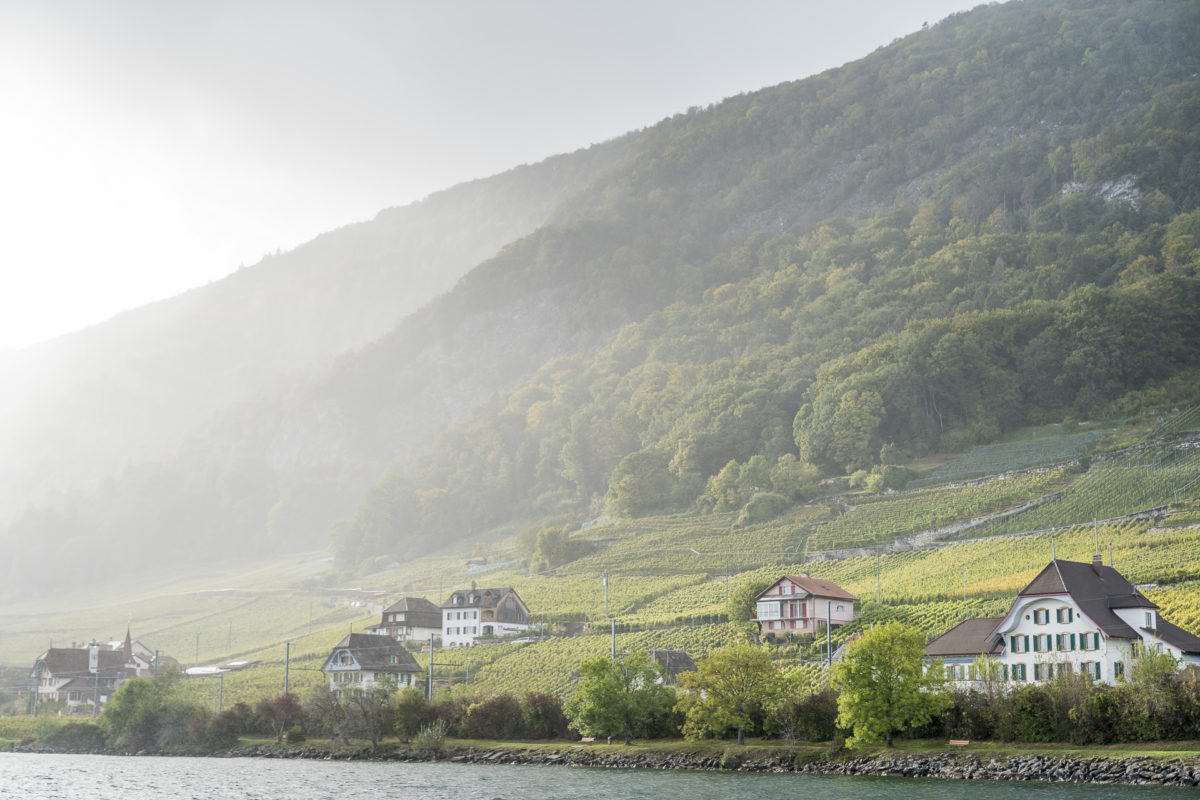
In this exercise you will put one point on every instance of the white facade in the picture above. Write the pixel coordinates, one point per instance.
(470, 614)
(1073, 617)
(1044, 636)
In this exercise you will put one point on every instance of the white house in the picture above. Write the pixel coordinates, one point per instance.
(411, 619)
(85, 677)
(802, 605)
(470, 613)
(1073, 617)
(367, 660)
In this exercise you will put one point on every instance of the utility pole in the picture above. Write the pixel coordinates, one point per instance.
(878, 575)
(605, 576)
(287, 664)
(614, 639)
(429, 688)
(966, 609)
(221, 692)
(829, 633)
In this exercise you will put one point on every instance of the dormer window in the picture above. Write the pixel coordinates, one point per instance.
(345, 659)
(471, 599)
(456, 599)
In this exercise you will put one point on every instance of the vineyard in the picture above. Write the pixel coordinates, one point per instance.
(997, 459)
(669, 579)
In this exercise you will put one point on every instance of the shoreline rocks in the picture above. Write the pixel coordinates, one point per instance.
(1131, 770)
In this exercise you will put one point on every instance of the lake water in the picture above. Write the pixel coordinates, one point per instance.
(66, 777)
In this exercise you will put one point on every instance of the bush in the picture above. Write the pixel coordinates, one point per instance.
(432, 737)
(807, 718)
(544, 717)
(75, 736)
(498, 717)
(763, 507)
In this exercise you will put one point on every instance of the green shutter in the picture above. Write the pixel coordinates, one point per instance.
(1096, 641)
(1072, 641)
(1026, 650)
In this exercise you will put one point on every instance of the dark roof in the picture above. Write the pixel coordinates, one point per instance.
(1178, 637)
(67, 662)
(478, 598)
(673, 662)
(1096, 589)
(970, 637)
(373, 651)
(814, 586)
(417, 611)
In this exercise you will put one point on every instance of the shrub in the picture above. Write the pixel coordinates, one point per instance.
(432, 737)
(543, 716)
(76, 736)
(498, 717)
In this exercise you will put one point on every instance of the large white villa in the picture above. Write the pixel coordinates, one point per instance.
(1073, 617)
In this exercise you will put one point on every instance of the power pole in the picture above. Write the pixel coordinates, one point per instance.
(287, 664)
(605, 576)
(614, 639)
(429, 688)
(828, 632)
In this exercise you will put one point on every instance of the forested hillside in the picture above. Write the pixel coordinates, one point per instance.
(1016, 197)
(988, 223)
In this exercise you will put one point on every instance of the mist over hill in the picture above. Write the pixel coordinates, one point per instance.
(987, 223)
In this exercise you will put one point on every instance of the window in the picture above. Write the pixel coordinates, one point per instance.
(1118, 669)
(841, 608)
(1150, 620)
(1066, 641)
(1065, 614)
(1019, 644)
(344, 658)
(1037, 672)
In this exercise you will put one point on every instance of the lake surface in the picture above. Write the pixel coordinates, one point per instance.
(66, 777)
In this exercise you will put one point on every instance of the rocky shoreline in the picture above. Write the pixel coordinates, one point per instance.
(1132, 770)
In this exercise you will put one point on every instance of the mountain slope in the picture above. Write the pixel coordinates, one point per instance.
(805, 273)
(78, 408)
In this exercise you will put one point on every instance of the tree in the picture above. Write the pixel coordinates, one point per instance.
(885, 686)
(731, 688)
(280, 714)
(615, 698)
(369, 713)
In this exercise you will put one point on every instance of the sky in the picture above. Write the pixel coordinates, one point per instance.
(149, 147)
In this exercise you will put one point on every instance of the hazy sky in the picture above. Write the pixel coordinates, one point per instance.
(150, 147)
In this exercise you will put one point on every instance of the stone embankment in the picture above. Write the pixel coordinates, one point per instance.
(1131, 770)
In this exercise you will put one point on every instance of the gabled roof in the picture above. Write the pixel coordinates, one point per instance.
(1095, 588)
(70, 662)
(374, 652)
(972, 637)
(814, 586)
(417, 611)
(1178, 637)
(673, 662)
(479, 598)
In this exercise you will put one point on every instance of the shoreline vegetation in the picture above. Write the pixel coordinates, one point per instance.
(1162, 764)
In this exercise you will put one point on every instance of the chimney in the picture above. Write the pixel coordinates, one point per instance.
(1098, 564)
(472, 586)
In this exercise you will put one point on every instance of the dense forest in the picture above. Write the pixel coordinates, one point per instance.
(992, 222)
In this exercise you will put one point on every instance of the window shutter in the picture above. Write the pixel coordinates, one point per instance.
(1026, 650)
(1096, 641)
(1072, 641)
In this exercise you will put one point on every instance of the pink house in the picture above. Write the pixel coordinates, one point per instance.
(802, 605)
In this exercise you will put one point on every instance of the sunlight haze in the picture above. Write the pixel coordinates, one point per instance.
(150, 148)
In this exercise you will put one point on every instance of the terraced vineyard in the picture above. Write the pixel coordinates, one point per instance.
(1142, 478)
(882, 519)
(997, 459)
